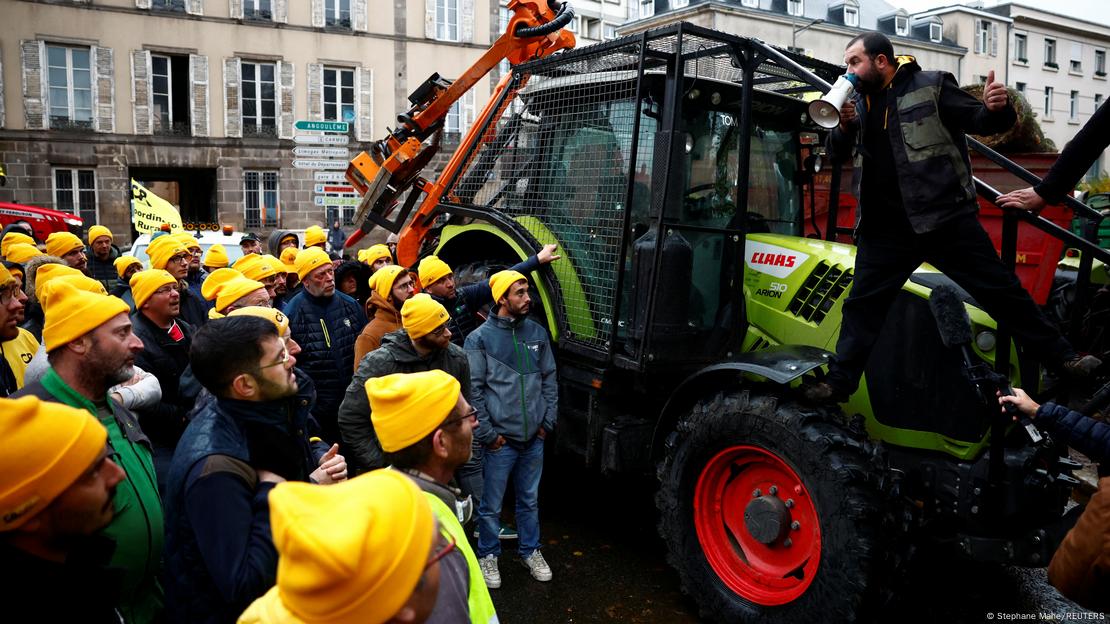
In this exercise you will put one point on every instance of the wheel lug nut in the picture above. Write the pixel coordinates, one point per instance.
(787, 542)
(798, 490)
(757, 493)
(773, 490)
(795, 525)
(789, 503)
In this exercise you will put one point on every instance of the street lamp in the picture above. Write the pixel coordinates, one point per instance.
(794, 34)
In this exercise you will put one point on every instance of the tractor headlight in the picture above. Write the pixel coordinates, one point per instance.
(986, 340)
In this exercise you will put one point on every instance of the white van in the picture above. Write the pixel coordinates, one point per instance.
(206, 240)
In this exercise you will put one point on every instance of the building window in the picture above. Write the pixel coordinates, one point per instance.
(260, 198)
(1050, 53)
(678, 4)
(591, 28)
(75, 193)
(934, 33)
(851, 16)
(257, 9)
(169, 87)
(447, 20)
(1073, 106)
(259, 101)
(751, 4)
(1100, 62)
(795, 8)
(608, 31)
(1019, 87)
(337, 13)
(901, 25)
(460, 116)
(70, 86)
(168, 5)
(339, 94)
(982, 36)
(1048, 102)
(1098, 100)
(647, 8)
(1021, 48)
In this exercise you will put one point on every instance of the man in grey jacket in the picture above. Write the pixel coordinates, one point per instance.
(423, 344)
(516, 396)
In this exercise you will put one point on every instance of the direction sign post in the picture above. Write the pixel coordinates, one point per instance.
(321, 200)
(333, 165)
(321, 152)
(325, 126)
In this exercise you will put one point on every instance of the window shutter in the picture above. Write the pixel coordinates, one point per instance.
(430, 19)
(198, 94)
(315, 91)
(32, 54)
(978, 37)
(466, 20)
(281, 11)
(235, 9)
(142, 98)
(467, 111)
(994, 39)
(142, 4)
(233, 106)
(317, 13)
(359, 18)
(286, 108)
(104, 91)
(364, 78)
(194, 7)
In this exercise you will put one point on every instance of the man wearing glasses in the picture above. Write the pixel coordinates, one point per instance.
(219, 551)
(17, 345)
(426, 427)
(422, 344)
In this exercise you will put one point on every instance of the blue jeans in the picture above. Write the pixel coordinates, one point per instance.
(524, 464)
(469, 475)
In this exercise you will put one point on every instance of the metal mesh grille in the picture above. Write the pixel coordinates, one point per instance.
(820, 291)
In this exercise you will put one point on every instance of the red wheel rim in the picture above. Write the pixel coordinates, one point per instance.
(766, 574)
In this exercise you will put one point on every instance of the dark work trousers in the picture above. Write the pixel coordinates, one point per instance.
(961, 250)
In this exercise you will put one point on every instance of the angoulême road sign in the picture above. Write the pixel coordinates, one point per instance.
(326, 126)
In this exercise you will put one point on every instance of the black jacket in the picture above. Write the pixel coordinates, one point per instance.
(1077, 157)
(396, 355)
(926, 120)
(194, 309)
(83, 589)
(1086, 435)
(104, 272)
(167, 361)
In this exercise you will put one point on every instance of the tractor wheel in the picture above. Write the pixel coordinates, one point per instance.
(770, 512)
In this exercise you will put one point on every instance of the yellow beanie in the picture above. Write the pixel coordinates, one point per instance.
(314, 235)
(278, 265)
(162, 249)
(289, 259)
(61, 243)
(14, 238)
(349, 552)
(431, 269)
(144, 283)
(21, 253)
(374, 253)
(255, 267)
(80, 282)
(6, 277)
(47, 447)
(382, 280)
(72, 313)
(309, 259)
(500, 281)
(49, 272)
(97, 231)
(275, 316)
(123, 263)
(187, 239)
(226, 286)
(216, 257)
(421, 315)
(406, 407)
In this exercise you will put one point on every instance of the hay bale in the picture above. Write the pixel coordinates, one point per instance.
(1025, 136)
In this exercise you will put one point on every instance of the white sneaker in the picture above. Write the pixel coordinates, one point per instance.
(492, 576)
(536, 565)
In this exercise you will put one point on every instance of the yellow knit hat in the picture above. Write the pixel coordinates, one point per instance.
(500, 281)
(278, 265)
(123, 263)
(47, 447)
(421, 315)
(72, 313)
(162, 249)
(309, 259)
(405, 407)
(431, 269)
(49, 272)
(382, 280)
(97, 231)
(289, 259)
(216, 257)
(144, 283)
(61, 243)
(187, 239)
(275, 316)
(6, 277)
(226, 286)
(79, 281)
(374, 253)
(314, 235)
(21, 253)
(255, 267)
(14, 238)
(349, 552)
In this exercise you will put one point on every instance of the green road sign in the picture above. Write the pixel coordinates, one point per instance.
(326, 126)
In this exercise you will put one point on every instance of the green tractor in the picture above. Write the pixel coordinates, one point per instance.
(671, 168)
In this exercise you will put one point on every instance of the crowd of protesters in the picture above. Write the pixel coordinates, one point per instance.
(292, 437)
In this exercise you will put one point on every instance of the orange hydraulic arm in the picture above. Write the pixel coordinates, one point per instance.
(393, 165)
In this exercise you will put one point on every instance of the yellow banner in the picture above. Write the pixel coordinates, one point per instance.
(149, 212)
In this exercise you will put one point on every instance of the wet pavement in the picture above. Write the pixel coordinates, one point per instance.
(608, 566)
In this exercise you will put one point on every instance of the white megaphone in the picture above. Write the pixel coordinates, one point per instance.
(826, 111)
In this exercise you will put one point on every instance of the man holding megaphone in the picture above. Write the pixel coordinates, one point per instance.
(917, 203)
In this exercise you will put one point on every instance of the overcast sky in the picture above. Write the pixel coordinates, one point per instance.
(1090, 10)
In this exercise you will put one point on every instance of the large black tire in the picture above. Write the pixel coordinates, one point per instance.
(837, 471)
